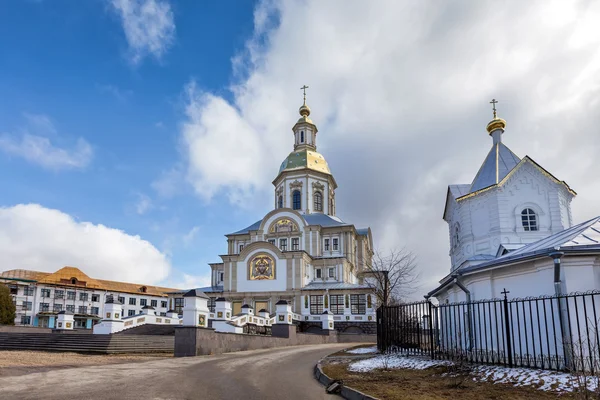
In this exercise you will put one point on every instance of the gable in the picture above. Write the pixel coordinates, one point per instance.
(525, 161)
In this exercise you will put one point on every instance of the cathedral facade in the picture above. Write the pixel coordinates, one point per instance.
(301, 251)
(512, 228)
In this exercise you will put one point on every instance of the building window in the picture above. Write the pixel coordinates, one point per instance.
(280, 201)
(272, 241)
(283, 244)
(297, 200)
(143, 302)
(179, 305)
(83, 296)
(44, 307)
(95, 297)
(45, 292)
(332, 272)
(163, 304)
(529, 220)
(316, 304)
(57, 307)
(295, 244)
(358, 304)
(222, 276)
(73, 281)
(241, 248)
(70, 308)
(14, 290)
(211, 304)
(326, 244)
(82, 310)
(59, 294)
(301, 136)
(335, 244)
(132, 301)
(131, 313)
(318, 273)
(95, 311)
(25, 320)
(318, 201)
(27, 305)
(121, 299)
(153, 303)
(29, 291)
(70, 295)
(336, 303)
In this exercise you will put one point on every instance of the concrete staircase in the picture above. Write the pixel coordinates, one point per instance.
(85, 343)
(149, 329)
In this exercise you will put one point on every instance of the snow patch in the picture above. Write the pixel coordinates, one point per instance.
(540, 379)
(363, 350)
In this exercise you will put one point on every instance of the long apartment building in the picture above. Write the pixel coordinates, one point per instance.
(40, 296)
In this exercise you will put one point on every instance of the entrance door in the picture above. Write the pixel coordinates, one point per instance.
(43, 322)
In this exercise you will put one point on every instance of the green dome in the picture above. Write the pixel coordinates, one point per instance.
(305, 159)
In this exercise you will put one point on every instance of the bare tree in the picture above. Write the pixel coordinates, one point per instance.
(392, 275)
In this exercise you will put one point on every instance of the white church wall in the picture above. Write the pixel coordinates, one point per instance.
(278, 284)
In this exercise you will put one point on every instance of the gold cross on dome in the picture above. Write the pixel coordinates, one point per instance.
(493, 103)
(303, 88)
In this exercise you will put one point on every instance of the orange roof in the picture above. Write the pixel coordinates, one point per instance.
(71, 276)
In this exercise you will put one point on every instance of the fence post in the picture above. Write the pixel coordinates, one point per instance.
(507, 329)
(431, 343)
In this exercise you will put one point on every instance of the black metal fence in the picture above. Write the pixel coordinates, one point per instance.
(548, 332)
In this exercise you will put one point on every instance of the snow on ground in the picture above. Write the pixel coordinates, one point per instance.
(541, 379)
(393, 361)
(363, 350)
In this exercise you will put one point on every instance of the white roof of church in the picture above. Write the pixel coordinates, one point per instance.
(498, 163)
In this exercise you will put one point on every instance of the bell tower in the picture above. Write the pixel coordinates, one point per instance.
(305, 131)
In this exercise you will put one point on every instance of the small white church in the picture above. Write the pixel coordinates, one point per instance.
(512, 228)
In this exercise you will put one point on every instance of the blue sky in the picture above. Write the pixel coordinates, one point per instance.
(134, 134)
(66, 74)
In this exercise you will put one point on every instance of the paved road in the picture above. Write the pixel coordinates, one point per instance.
(283, 373)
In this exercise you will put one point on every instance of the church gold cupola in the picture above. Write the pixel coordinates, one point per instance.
(304, 182)
(305, 131)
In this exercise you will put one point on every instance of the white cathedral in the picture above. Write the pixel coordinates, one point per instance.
(301, 251)
(512, 228)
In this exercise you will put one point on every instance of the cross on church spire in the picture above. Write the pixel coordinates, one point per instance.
(303, 88)
(493, 103)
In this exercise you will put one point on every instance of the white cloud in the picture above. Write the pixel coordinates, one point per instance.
(190, 236)
(37, 238)
(34, 145)
(400, 92)
(188, 281)
(144, 204)
(121, 95)
(149, 27)
(39, 150)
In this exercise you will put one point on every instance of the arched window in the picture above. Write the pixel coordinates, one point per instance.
(456, 235)
(280, 202)
(318, 201)
(73, 281)
(297, 200)
(301, 136)
(529, 220)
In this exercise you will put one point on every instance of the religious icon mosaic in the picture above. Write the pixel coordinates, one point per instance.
(202, 320)
(283, 225)
(262, 267)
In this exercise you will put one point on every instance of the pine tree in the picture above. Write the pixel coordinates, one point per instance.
(7, 307)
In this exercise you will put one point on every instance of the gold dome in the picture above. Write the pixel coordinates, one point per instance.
(496, 123)
(304, 110)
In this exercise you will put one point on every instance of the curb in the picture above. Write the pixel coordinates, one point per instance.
(346, 392)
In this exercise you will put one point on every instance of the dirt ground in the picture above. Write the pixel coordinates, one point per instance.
(23, 362)
(429, 384)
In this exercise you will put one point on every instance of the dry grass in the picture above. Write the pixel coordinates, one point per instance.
(47, 359)
(429, 384)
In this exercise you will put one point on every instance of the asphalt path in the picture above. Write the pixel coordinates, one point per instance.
(283, 373)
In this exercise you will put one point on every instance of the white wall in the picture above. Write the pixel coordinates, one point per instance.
(277, 284)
